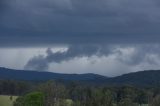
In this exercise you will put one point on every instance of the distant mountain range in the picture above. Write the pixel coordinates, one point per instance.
(40, 76)
(141, 78)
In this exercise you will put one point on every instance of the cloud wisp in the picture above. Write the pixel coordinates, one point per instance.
(42, 62)
(102, 58)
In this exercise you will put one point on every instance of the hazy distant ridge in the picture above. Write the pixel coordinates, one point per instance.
(142, 78)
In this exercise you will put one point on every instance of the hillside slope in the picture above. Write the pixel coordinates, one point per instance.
(35, 75)
(141, 78)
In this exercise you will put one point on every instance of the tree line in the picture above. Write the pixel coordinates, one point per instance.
(53, 93)
(12, 87)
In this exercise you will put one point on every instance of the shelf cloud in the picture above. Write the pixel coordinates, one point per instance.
(42, 62)
(49, 22)
(121, 32)
(104, 59)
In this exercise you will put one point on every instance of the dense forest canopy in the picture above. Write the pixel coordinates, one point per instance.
(52, 93)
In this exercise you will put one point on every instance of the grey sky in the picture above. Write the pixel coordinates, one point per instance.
(89, 29)
(46, 22)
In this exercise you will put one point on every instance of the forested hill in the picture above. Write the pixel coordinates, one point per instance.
(36, 75)
(142, 78)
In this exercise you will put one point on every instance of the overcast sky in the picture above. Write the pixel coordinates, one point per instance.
(107, 37)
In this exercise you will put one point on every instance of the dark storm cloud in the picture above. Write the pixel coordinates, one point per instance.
(47, 22)
(130, 55)
(84, 25)
(4, 6)
(37, 63)
(41, 62)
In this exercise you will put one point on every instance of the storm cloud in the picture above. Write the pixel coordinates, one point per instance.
(41, 62)
(101, 33)
(49, 22)
(124, 55)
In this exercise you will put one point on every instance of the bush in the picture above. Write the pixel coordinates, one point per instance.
(31, 99)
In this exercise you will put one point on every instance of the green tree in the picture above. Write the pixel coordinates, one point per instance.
(31, 99)
(54, 93)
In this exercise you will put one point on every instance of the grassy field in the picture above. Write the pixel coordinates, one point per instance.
(6, 100)
(69, 102)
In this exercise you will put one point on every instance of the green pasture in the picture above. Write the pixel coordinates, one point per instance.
(7, 100)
